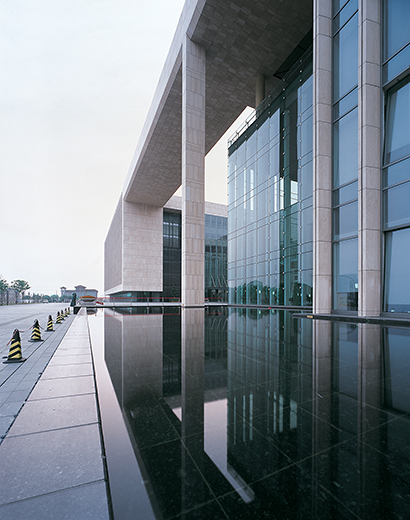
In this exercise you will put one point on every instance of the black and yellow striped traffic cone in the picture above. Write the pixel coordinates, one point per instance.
(66, 313)
(35, 334)
(15, 355)
(62, 315)
(50, 324)
(58, 320)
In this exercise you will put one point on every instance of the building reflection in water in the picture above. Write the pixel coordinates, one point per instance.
(250, 413)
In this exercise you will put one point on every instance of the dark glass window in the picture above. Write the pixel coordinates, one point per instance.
(345, 58)
(396, 26)
(397, 279)
(345, 155)
(345, 275)
(397, 138)
(345, 149)
(345, 220)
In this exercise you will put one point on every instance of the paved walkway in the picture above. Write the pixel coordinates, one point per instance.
(51, 459)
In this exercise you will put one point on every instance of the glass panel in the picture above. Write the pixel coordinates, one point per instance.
(396, 65)
(306, 95)
(345, 104)
(306, 181)
(306, 222)
(397, 141)
(396, 205)
(306, 137)
(345, 275)
(345, 221)
(341, 18)
(397, 173)
(345, 194)
(338, 4)
(275, 127)
(345, 153)
(397, 280)
(345, 59)
(251, 146)
(263, 135)
(396, 26)
(262, 201)
(263, 169)
(232, 164)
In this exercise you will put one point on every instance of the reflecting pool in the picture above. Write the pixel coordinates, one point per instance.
(253, 414)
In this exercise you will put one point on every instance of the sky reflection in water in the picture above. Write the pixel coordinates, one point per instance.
(255, 414)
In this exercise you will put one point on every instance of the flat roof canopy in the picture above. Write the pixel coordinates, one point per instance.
(243, 39)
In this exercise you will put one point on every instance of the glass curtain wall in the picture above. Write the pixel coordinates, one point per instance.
(216, 258)
(172, 255)
(396, 155)
(270, 186)
(345, 155)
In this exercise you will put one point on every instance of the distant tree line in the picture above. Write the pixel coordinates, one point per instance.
(17, 286)
(14, 291)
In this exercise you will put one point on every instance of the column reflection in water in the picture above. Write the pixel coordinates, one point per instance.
(252, 413)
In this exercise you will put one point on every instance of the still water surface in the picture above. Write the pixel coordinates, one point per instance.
(251, 414)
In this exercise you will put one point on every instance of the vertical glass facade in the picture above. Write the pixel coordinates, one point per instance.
(396, 155)
(396, 197)
(270, 187)
(345, 155)
(216, 258)
(396, 38)
(172, 255)
(216, 253)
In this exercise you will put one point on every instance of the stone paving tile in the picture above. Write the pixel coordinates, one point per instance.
(70, 360)
(5, 423)
(52, 414)
(61, 371)
(8, 409)
(73, 352)
(17, 395)
(87, 502)
(44, 462)
(63, 387)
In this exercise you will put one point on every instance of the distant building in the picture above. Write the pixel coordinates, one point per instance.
(80, 290)
(215, 248)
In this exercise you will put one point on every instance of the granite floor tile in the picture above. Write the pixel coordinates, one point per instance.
(5, 423)
(70, 360)
(87, 502)
(55, 413)
(63, 387)
(8, 409)
(61, 371)
(44, 462)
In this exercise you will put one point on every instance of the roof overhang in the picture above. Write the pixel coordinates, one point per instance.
(243, 39)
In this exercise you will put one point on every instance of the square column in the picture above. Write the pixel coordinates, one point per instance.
(370, 123)
(322, 157)
(193, 174)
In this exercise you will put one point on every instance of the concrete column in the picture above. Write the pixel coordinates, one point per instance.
(260, 89)
(193, 174)
(370, 115)
(322, 157)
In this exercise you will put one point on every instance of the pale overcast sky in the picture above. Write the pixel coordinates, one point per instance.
(76, 82)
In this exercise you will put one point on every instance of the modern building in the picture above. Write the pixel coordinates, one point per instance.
(216, 256)
(319, 177)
